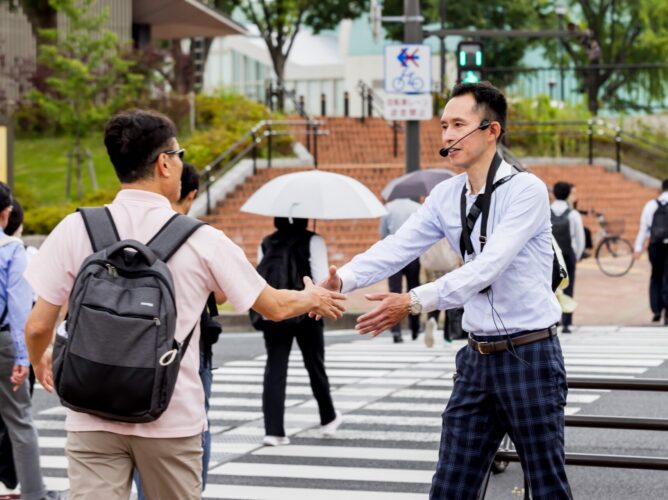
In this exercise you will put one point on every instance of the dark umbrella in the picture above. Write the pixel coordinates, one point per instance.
(415, 184)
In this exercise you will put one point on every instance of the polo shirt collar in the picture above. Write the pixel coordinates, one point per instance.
(139, 196)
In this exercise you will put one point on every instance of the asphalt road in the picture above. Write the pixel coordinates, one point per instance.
(586, 482)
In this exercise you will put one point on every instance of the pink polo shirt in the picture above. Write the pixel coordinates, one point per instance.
(208, 261)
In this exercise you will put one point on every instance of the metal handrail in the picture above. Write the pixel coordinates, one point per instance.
(250, 141)
(605, 422)
(377, 103)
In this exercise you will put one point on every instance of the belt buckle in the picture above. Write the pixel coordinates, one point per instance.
(482, 348)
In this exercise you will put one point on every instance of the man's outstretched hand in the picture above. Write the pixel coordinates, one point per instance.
(327, 302)
(392, 309)
(333, 283)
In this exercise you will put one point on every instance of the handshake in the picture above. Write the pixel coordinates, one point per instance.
(326, 296)
(391, 308)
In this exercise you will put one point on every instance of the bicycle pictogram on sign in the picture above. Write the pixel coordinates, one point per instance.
(407, 69)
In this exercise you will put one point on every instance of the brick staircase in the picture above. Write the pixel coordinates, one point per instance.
(364, 151)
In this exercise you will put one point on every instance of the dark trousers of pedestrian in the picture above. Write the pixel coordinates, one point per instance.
(570, 261)
(412, 273)
(498, 394)
(311, 342)
(658, 282)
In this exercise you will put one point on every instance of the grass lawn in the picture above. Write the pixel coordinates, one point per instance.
(40, 168)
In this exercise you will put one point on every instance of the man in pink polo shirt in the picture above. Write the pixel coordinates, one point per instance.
(167, 452)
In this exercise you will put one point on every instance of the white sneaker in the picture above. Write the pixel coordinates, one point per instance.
(330, 428)
(429, 330)
(276, 440)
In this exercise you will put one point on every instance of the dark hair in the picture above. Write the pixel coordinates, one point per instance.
(664, 185)
(5, 196)
(486, 95)
(283, 224)
(15, 218)
(561, 190)
(189, 180)
(134, 138)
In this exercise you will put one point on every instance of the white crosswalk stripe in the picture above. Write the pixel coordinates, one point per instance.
(392, 397)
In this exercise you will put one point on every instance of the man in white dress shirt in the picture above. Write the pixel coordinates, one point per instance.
(510, 377)
(654, 225)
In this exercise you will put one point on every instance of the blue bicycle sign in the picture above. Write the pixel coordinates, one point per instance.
(407, 68)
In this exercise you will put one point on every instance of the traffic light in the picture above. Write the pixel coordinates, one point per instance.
(470, 63)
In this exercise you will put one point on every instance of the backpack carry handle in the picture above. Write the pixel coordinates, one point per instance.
(145, 252)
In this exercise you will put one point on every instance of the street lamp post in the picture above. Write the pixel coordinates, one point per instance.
(561, 11)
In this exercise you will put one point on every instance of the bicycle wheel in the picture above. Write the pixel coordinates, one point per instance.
(614, 256)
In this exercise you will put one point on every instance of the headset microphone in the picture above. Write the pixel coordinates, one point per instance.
(484, 125)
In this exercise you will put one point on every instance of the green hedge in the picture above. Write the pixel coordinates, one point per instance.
(40, 162)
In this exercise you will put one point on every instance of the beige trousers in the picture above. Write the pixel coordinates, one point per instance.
(101, 464)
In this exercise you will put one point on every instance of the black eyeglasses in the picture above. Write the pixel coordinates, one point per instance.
(181, 152)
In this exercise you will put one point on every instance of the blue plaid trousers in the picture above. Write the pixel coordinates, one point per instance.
(497, 394)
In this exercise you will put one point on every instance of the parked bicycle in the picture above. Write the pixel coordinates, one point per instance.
(613, 253)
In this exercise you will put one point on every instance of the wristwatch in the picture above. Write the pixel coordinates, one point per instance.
(414, 307)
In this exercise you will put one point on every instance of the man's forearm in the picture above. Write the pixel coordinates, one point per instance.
(278, 305)
(37, 341)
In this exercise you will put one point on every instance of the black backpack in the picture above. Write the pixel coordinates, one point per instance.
(659, 228)
(285, 262)
(117, 357)
(561, 230)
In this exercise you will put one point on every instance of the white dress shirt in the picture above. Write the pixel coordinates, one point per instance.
(516, 262)
(646, 220)
(317, 260)
(575, 224)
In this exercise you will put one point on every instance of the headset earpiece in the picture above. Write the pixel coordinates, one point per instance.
(484, 125)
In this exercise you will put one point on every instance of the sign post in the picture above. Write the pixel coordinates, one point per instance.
(6, 151)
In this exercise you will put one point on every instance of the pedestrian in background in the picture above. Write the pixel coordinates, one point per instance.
(15, 404)
(398, 212)
(436, 262)
(568, 230)
(284, 258)
(654, 226)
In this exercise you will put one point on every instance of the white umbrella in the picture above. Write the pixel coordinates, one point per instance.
(315, 195)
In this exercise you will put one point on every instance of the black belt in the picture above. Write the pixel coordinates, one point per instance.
(517, 340)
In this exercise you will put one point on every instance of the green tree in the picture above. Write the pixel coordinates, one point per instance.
(88, 79)
(279, 21)
(500, 52)
(617, 32)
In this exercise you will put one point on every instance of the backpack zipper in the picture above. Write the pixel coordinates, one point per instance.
(140, 273)
(116, 313)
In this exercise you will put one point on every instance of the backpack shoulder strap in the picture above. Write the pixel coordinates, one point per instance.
(100, 227)
(172, 235)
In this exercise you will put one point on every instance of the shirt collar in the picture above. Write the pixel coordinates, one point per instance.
(139, 196)
(560, 204)
(664, 196)
(504, 170)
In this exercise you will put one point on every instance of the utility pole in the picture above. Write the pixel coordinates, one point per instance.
(442, 40)
(413, 34)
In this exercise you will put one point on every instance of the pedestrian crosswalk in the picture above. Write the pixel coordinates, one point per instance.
(392, 397)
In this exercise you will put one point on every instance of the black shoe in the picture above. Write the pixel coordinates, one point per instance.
(398, 339)
(656, 318)
(565, 329)
(414, 335)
